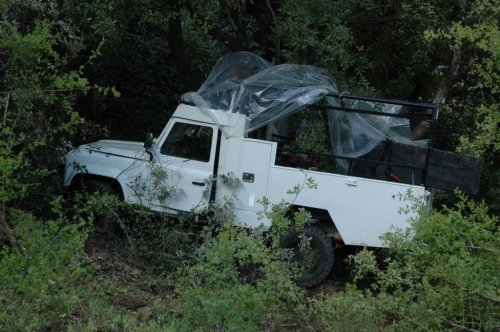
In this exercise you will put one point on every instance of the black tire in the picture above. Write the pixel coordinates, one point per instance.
(322, 252)
(106, 219)
(101, 187)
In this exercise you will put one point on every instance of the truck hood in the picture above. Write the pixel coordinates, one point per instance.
(127, 149)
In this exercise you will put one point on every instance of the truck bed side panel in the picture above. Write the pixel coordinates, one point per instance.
(362, 209)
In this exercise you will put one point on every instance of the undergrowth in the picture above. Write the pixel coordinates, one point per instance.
(205, 274)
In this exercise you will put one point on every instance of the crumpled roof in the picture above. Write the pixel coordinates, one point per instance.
(245, 83)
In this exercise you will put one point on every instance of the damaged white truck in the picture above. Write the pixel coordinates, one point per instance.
(266, 125)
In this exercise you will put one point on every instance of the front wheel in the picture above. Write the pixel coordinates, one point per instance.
(107, 215)
(313, 252)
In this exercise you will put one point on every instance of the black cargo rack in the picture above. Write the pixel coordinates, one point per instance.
(448, 170)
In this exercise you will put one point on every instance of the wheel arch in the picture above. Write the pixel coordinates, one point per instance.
(80, 178)
(322, 219)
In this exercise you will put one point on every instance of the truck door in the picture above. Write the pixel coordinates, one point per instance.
(187, 155)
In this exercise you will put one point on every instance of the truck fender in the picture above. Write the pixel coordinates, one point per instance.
(93, 172)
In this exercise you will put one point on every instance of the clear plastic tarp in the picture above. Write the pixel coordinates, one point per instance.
(355, 135)
(244, 83)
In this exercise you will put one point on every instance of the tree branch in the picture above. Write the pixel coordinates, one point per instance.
(483, 248)
(277, 42)
(461, 327)
(465, 289)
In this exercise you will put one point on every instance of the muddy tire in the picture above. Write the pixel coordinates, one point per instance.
(316, 263)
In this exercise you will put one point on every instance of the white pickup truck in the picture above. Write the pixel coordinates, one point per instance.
(203, 141)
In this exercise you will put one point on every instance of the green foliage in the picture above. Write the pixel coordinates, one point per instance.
(37, 87)
(477, 37)
(135, 57)
(349, 311)
(471, 116)
(63, 61)
(40, 282)
(160, 242)
(315, 32)
(441, 276)
(312, 132)
(237, 283)
(154, 187)
(282, 215)
(43, 264)
(228, 277)
(10, 165)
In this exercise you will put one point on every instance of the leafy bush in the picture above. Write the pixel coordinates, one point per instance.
(442, 275)
(39, 282)
(346, 311)
(163, 243)
(238, 282)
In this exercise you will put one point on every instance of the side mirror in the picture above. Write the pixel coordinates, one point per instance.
(148, 143)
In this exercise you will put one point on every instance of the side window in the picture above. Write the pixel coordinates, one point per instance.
(189, 141)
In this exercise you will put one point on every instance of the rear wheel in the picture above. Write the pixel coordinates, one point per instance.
(313, 252)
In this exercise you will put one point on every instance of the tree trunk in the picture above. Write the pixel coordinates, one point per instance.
(190, 77)
(448, 78)
(4, 227)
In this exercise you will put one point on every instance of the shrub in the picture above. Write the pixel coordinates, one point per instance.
(39, 283)
(162, 243)
(238, 282)
(441, 275)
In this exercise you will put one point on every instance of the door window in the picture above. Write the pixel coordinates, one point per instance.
(189, 141)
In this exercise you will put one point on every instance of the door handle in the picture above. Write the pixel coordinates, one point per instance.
(352, 182)
(197, 183)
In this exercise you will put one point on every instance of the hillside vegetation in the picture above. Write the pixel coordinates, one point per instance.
(74, 71)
